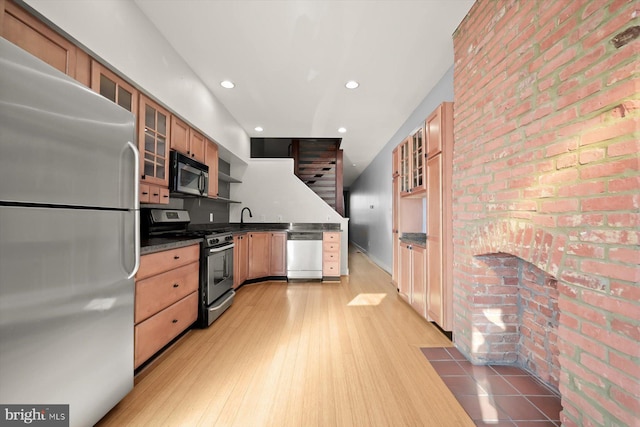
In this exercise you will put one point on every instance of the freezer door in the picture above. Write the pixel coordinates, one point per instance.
(66, 309)
(61, 143)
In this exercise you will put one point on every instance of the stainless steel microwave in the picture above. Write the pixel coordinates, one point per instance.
(187, 176)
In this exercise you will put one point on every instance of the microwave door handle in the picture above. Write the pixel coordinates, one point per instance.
(190, 169)
(201, 183)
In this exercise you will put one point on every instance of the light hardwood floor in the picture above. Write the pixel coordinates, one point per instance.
(304, 354)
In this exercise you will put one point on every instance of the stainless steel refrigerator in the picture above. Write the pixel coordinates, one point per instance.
(69, 244)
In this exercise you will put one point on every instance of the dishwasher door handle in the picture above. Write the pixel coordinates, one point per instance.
(304, 235)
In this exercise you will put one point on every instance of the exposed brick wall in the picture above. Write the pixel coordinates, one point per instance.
(546, 168)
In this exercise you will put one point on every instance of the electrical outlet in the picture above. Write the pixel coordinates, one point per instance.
(210, 216)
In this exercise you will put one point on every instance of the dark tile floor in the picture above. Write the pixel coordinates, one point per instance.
(496, 396)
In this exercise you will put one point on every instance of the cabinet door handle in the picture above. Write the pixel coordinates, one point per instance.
(165, 196)
(176, 257)
(174, 321)
(156, 194)
(175, 285)
(144, 193)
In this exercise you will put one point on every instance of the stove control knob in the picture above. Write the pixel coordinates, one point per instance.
(214, 241)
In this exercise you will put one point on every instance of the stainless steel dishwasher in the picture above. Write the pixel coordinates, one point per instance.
(304, 255)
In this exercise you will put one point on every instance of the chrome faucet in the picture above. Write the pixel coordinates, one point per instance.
(242, 215)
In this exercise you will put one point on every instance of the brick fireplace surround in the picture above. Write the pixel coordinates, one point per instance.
(546, 194)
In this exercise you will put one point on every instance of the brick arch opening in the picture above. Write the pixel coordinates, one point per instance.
(516, 316)
(512, 298)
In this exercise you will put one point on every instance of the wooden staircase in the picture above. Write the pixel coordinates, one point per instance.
(318, 163)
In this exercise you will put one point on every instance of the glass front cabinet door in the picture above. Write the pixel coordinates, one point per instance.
(153, 142)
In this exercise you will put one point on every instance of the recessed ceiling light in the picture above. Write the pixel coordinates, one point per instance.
(227, 84)
(258, 129)
(342, 130)
(352, 84)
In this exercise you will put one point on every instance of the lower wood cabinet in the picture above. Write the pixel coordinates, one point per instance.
(154, 333)
(278, 256)
(267, 254)
(412, 285)
(240, 259)
(166, 299)
(331, 255)
(259, 254)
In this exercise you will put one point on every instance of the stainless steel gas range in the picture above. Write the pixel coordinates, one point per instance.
(216, 258)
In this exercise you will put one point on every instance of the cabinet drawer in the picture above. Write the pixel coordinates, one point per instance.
(145, 193)
(155, 332)
(164, 195)
(330, 237)
(331, 256)
(330, 247)
(160, 291)
(331, 268)
(160, 262)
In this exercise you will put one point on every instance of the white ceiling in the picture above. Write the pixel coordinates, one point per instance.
(290, 60)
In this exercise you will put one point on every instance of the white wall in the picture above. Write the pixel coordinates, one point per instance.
(371, 227)
(274, 194)
(119, 33)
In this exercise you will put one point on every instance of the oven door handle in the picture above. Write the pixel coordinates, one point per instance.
(224, 248)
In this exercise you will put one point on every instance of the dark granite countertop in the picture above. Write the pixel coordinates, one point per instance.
(236, 227)
(157, 244)
(414, 238)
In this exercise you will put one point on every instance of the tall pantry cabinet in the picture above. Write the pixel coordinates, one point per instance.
(439, 155)
(422, 174)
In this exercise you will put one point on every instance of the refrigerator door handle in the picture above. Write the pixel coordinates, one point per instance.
(136, 207)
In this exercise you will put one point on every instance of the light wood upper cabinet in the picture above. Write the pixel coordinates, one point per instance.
(395, 162)
(186, 140)
(411, 164)
(278, 257)
(114, 88)
(404, 159)
(418, 180)
(211, 160)
(153, 142)
(439, 128)
(24, 30)
(197, 146)
(179, 136)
